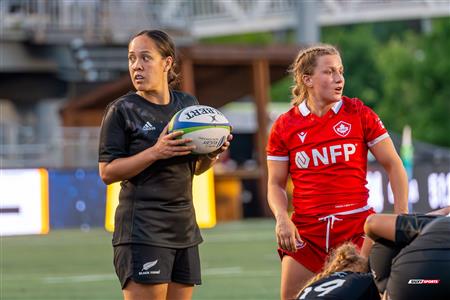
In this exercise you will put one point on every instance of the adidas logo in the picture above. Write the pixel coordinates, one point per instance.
(148, 126)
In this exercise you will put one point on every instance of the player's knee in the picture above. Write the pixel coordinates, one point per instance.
(370, 224)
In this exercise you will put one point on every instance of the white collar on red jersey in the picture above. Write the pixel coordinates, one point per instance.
(304, 110)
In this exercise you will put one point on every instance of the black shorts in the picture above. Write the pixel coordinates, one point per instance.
(420, 275)
(380, 261)
(151, 264)
(408, 227)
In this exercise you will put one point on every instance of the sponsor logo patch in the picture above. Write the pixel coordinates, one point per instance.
(325, 155)
(424, 281)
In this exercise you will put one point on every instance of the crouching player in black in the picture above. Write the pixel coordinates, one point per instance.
(411, 256)
(344, 277)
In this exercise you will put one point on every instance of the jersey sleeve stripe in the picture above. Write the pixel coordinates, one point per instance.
(378, 139)
(278, 158)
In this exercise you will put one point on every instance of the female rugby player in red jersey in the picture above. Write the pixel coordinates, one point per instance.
(322, 143)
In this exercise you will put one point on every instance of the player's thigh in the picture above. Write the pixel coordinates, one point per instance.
(294, 276)
(139, 291)
(380, 262)
(179, 291)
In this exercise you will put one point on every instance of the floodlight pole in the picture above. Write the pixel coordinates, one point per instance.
(308, 28)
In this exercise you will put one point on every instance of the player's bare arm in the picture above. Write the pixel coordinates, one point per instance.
(285, 230)
(440, 212)
(385, 153)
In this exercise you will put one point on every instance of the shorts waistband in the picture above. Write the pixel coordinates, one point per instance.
(332, 218)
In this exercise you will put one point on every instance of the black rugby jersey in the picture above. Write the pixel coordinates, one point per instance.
(342, 286)
(155, 207)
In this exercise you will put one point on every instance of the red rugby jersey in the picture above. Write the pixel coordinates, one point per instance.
(327, 155)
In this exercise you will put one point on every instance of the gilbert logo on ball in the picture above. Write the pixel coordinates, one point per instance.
(206, 126)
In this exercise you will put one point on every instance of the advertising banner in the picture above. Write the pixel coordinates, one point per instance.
(202, 193)
(24, 202)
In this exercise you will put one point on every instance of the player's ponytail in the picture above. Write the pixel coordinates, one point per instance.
(344, 258)
(304, 64)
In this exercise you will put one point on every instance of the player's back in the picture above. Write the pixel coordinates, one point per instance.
(342, 286)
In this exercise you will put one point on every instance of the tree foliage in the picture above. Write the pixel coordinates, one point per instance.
(402, 74)
(415, 87)
(358, 48)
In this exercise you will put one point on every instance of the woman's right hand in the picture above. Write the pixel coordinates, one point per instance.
(287, 234)
(169, 146)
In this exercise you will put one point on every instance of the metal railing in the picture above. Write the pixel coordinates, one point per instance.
(68, 147)
(115, 20)
(38, 18)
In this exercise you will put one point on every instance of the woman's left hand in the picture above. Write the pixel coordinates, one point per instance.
(224, 147)
(207, 160)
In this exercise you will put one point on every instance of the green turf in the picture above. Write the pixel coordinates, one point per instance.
(238, 262)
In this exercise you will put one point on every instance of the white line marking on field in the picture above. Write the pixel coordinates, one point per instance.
(239, 237)
(107, 277)
(235, 271)
(79, 278)
(222, 271)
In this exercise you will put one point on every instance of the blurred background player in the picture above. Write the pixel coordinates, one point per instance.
(345, 277)
(411, 256)
(156, 236)
(323, 142)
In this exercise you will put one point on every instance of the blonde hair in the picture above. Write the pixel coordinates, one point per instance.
(304, 64)
(344, 258)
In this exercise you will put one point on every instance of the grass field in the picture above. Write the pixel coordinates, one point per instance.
(239, 261)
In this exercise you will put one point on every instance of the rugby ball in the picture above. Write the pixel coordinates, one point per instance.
(206, 126)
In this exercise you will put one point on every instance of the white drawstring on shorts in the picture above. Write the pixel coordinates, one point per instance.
(331, 218)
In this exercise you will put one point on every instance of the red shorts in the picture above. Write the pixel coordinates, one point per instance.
(312, 253)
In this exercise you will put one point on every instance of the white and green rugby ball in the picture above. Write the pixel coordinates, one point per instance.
(206, 126)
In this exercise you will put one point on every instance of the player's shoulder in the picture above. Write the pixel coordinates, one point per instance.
(283, 120)
(122, 101)
(353, 105)
(185, 98)
(287, 116)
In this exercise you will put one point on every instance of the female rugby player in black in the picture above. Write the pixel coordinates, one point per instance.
(345, 276)
(411, 257)
(409, 260)
(156, 236)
